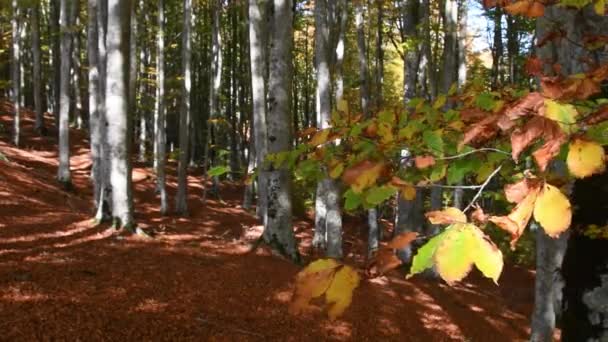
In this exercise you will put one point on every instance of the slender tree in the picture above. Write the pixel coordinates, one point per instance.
(181, 203)
(328, 218)
(117, 112)
(16, 71)
(37, 70)
(63, 174)
(160, 137)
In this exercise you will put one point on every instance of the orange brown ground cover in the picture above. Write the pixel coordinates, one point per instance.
(62, 278)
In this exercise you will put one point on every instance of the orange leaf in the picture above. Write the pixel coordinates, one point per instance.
(522, 137)
(554, 139)
(517, 192)
(446, 216)
(402, 240)
(362, 175)
(479, 216)
(534, 66)
(529, 104)
(528, 8)
(481, 131)
(518, 219)
(424, 162)
(384, 261)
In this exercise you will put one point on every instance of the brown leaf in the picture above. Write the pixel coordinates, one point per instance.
(528, 8)
(362, 175)
(402, 240)
(534, 66)
(518, 219)
(423, 162)
(517, 192)
(446, 216)
(598, 117)
(481, 131)
(523, 137)
(384, 261)
(478, 215)
(529, 104)
(554, 139)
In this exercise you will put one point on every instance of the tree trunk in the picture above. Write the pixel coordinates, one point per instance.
(585, 308)
(328, 218)
(133, 25)
(63, 174)
(117, 116)
(257, 46)
(16, 71)
(95, 117)
(278, 232)
(160, 135)
(379, 55)
(76, 66)
(181, 201)
(55, 54)
(497, 49)
(37, 70)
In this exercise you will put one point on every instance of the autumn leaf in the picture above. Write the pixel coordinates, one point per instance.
(384, 261)
(446, 216)
(320, 137)
(534, 66)
(454, 256)
(377, 195)
(517, 221)
(340, 292)
(423, 162)
(362, 175)
(402, 240)
(312, 282)
(523, 137)
(488, 258)
(553, 211)
(586, 158)
(481, 131)
(406, 189)
(517, 192)
(424, 257)
(528, 105)
(479, 216)
(335, 169)
(527, 8)
(554, 139)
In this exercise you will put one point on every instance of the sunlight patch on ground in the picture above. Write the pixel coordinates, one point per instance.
(339, 330)
(151, 305)
(17, 294)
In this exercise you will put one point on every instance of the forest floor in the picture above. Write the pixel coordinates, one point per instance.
(62, 278)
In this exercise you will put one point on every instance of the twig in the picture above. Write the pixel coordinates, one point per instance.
(485, 149)
(453, 187)
(483, 186)
(235, 329)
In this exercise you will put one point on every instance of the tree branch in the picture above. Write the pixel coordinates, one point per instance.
(482, 187)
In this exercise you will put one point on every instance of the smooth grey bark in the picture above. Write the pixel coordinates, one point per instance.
(133, 28)
(340, 50)
(497, 49)
(548, 286)
(450, 47)
(16, 71)
(160, 135)
(462, 74)
(379, 63)
(568, 52)
(216, 82)
(55, 53)
(144, 56)
(117, 116)
(257, 45)
(63, 173)
(76, 103)
(278, 226)
(37, 70)
(181, 200)
(427, 79)
(95, 119)
(328, 218)
(409, 216)
(105, 197)
(373, 230)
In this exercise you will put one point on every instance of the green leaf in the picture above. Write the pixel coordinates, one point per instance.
(438, 172)
(564, 114)
(353, 200)
(377, 195)
(434, 141)
(440, 102)
(424, 258)
(485, 101)
(218, 171)
(599, 133)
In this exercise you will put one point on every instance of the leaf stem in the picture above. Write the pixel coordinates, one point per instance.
(482, 187)
(485, 149)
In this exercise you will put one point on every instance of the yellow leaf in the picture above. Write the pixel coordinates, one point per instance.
(313, 281)
(454, 256)
(600, 7)
(343, 106)
(553, 211)
(586, 158)
(488, 257)
(362, 175)
(446, 216)
(320, 138)
(408, 193)
(386, 133)
(336, 169)
(564, 114)
(340, 292)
